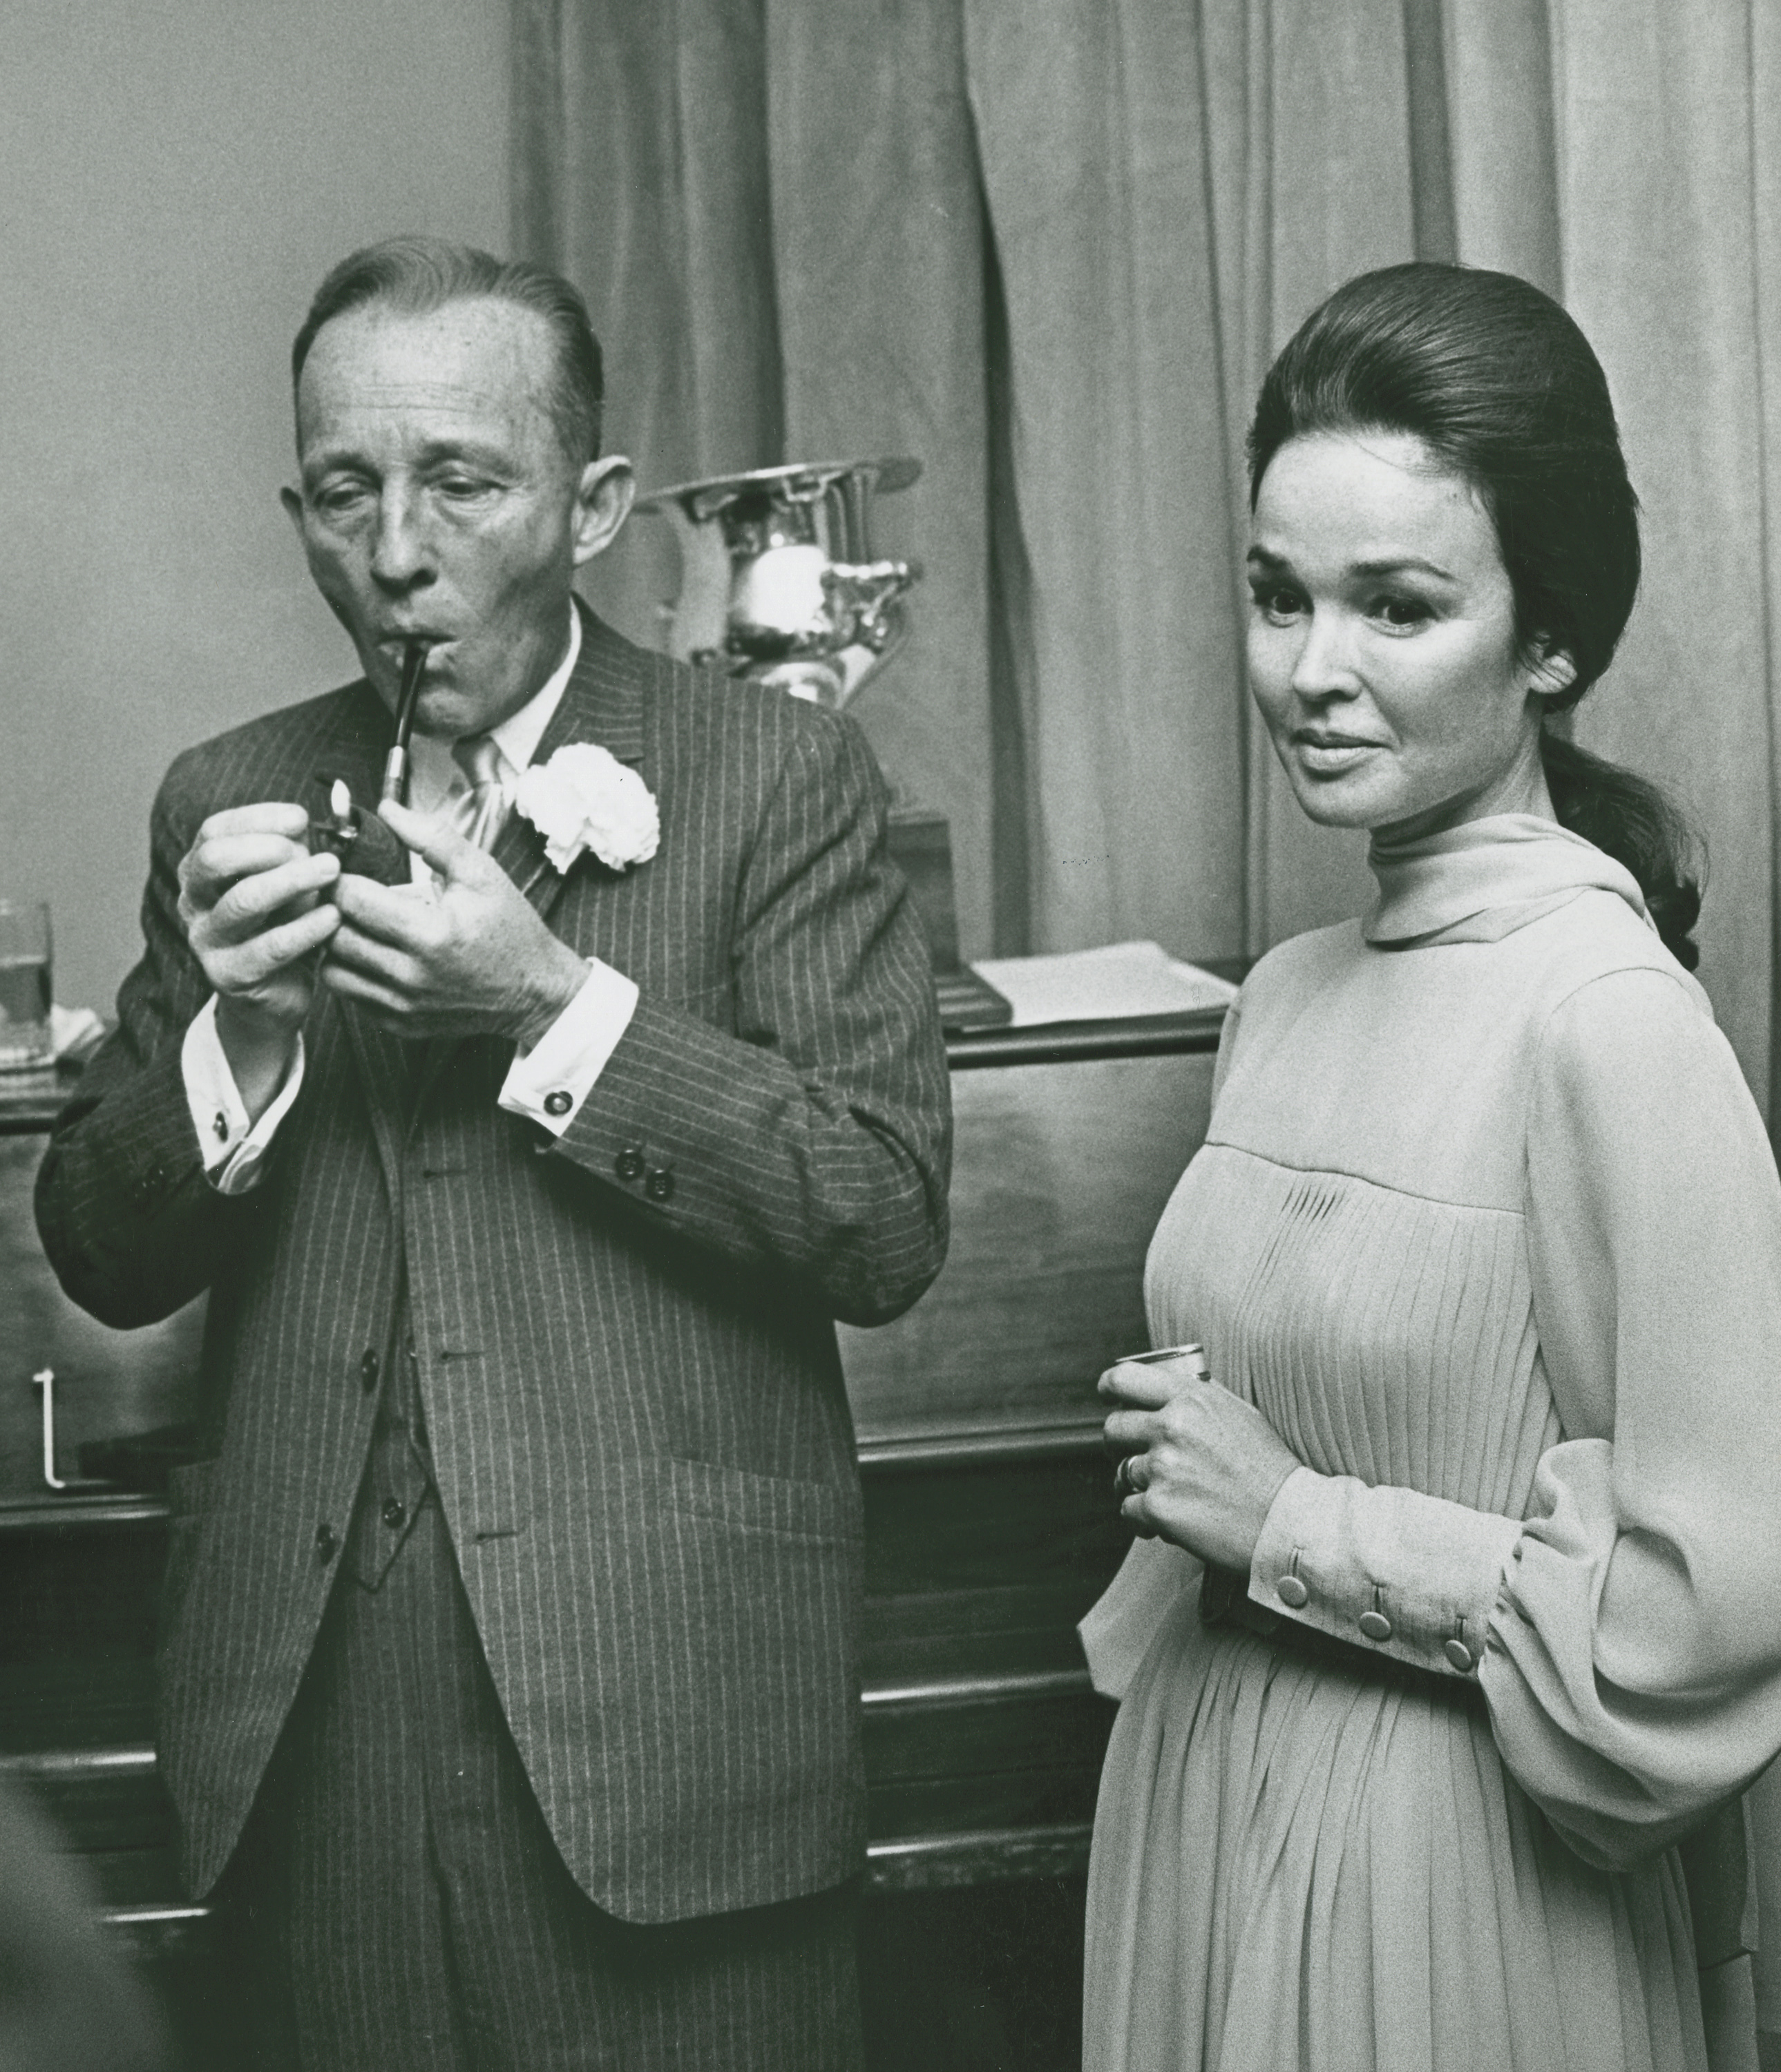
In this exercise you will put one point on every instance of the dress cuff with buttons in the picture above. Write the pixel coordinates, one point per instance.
(234, 1148)
(548, 1082)
(1412, 1576)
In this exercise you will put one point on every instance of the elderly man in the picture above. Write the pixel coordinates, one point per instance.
(509, 1667)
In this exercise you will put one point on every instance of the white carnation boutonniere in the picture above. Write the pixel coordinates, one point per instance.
(585, 798)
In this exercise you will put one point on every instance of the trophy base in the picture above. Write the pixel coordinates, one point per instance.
(922, 845)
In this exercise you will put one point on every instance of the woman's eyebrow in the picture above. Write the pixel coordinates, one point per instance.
(1395, 565)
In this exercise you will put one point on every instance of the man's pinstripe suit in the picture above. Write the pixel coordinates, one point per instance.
(638, 1428)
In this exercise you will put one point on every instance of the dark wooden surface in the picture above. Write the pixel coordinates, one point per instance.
(990, 1528)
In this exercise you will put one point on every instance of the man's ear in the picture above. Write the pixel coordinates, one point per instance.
(293, 509)
(602, 503)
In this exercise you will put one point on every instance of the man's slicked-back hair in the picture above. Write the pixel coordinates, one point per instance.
(416, 275)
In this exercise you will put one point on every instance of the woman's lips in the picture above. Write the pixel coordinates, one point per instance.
(1333, 755)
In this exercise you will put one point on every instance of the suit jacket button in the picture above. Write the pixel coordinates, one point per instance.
(629, 1164)
(659, 1186)
(556, 1102)
(327, 1543)
(395, 1512)
(369, 1367)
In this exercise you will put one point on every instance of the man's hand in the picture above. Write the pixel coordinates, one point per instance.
(250, 900)
(474, 960)
(1205, 1466)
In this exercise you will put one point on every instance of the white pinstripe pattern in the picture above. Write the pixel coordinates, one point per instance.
(407, 1911)
(637, 1418)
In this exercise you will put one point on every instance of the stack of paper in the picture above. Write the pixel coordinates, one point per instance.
(1119, 980)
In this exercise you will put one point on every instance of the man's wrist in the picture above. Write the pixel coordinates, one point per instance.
(259, 1047)
(553, 987)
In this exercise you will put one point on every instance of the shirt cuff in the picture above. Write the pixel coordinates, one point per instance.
(1390, 1569)
(233, 1148)
(547, 1083)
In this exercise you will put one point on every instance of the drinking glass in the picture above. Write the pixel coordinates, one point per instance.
(25, 1042)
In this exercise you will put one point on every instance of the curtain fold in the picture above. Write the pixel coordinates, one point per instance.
(1049, 250)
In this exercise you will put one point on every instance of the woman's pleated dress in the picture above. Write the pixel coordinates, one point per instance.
(1487, 1224)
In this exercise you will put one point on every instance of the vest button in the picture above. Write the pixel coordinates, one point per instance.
(395, 1511)
(368, 1366)
(327, 1543)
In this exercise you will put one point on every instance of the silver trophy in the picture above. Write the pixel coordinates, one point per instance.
(779, 584)
(778, 579)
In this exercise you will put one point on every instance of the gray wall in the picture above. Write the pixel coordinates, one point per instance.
(175, 175)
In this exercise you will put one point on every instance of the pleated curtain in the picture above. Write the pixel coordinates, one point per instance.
(1048, 247)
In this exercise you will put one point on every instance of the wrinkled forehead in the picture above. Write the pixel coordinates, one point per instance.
(481, 366)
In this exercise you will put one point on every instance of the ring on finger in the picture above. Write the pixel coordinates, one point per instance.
(1126, 1483)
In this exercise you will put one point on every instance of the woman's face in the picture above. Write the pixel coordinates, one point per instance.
(1382, 641)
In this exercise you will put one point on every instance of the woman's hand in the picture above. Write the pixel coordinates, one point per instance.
(1197, 1465)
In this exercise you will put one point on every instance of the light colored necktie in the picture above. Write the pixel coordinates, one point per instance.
(478, 813)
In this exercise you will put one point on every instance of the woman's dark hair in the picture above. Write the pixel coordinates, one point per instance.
(1502, 386)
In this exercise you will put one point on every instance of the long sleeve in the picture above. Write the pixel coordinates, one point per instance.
(1634, 1669)
(129, 1220)
(815, 1140)
(1627, 1634)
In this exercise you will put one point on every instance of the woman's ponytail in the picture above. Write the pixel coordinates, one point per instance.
(1639, 826)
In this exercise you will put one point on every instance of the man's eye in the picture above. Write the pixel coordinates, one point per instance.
(458, 488)
(334, 500)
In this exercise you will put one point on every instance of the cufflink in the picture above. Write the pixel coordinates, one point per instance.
(556, 1102)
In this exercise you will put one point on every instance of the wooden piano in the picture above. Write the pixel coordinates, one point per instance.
(990, 1528)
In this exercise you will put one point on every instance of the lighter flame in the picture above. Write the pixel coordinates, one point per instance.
(340, 802)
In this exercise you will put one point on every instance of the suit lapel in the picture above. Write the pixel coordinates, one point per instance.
(603, 702)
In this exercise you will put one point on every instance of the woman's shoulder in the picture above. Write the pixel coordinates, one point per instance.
(1300, 965)
(1595, 938)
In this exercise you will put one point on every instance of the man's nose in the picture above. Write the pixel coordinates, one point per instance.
(402, 549)
(1326, 666)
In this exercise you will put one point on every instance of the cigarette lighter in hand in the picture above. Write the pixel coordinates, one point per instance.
(337, 835)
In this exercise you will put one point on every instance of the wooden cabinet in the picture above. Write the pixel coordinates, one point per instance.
(990, 1523)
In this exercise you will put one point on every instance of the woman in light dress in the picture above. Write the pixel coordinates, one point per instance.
(1437, 1765)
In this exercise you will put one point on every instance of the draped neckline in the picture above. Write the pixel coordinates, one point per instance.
(1485, 880)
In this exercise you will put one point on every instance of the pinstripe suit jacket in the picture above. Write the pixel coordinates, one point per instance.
(637, 1419)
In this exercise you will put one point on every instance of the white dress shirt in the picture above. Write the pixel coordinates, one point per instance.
(569, 1058)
